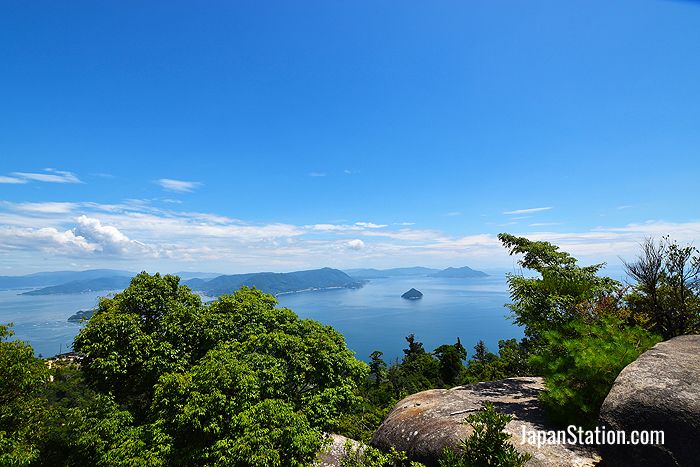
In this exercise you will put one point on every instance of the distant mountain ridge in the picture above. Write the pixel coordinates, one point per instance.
(47, 279)
(277, 283)
(393, 272)
(462, 272)
(90, 285)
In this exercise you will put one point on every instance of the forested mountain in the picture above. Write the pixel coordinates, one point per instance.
(276, 283)
(45, 279)
(394, 272)
(90, 285)
(465, 271)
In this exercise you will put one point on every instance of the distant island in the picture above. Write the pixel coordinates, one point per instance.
(65, 282)
(412, 294)
(277, 283)
(463, 272)
(96, 280)
(394, 272)
(80, 315)
(83, 286)
(46, 279)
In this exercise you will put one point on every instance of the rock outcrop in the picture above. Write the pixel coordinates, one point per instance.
(334, 453)
(423, 424)
(658, 391)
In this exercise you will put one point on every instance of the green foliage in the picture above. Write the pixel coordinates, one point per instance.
(450, 366)
(581, 362)
(561, 293)
(488, 445)
(512, 360)
(666, 296)
(238, 382)
(104, 434)
(367, 456)
(579, 334)
(22, 407)
(377, 367)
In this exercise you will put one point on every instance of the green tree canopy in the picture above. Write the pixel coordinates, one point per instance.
(22, 407)
(236, 382)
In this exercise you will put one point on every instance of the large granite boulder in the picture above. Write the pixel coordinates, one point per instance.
(658, 391)
(423, 424)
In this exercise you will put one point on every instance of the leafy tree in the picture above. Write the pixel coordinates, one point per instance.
(143, 332)
(377, 367)
(488, 445)
(666, 296)
(415, 348)
(564, 290)
(450, 362)
(238, 382)
(22, 407)
(579, 335)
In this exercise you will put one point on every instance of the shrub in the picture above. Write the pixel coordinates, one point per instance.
(580, 364)
(488, 445)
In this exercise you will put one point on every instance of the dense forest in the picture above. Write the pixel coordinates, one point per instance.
(162, 379)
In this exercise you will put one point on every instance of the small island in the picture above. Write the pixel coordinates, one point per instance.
(81, 315)
(412, 294)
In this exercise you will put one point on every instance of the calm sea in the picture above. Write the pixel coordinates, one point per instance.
(374, 317)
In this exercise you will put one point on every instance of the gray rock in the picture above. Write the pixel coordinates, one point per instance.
(334, 453)
(658, 391)
(423, 424)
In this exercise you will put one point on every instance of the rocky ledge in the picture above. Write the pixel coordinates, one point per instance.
(425, 423)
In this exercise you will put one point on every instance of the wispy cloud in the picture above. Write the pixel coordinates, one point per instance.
(528, 210)
(370, 225)
(48, 176)
(12, 180)
(543, 224)
(46, 208)
(453, 214)
(148, 236)
(317, 174)
(178, 186)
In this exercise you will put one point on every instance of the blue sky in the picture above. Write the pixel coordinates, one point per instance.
(243, 136)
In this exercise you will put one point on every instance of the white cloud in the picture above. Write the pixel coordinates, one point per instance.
(45, 208)
(149, 237)
(50, 176)
(47, 239)
(317, 174)
(88, 237)
(453, 214)
(528, 210)
(370, 225)
(356, 244)
(178, 186)
(12, 180)
(106, 238)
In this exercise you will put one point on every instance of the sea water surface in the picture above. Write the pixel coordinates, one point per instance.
(374, 317)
